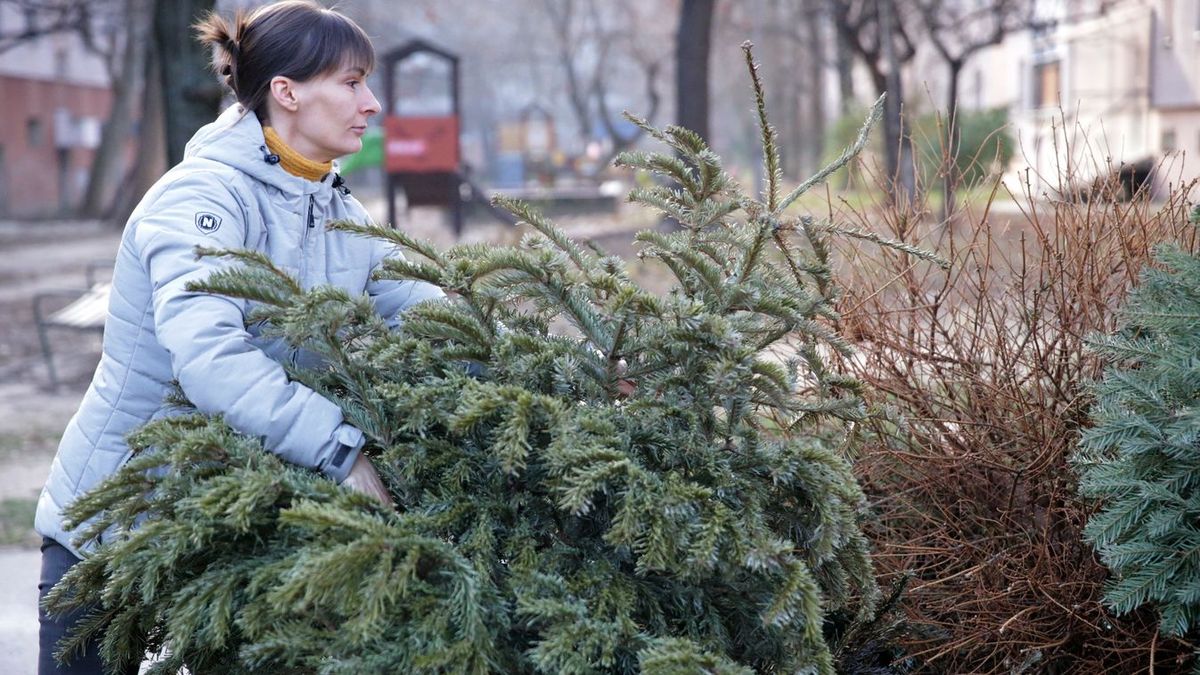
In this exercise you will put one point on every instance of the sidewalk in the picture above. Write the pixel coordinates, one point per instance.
(19, 568)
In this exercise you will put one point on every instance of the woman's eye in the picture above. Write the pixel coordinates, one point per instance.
(353, 83)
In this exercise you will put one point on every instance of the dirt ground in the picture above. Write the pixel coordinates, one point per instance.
(38, 257)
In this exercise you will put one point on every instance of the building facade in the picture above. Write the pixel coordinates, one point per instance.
(1102, 87)
(1175, 85)
(54, 99)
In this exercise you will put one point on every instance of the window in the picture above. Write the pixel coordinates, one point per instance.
(1047, 85)
(34, 133)
(61, 63)
(1168, 141)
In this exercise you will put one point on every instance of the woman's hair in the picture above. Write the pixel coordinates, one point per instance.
(297, 39)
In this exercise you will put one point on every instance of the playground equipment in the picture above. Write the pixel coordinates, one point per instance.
(421, 150)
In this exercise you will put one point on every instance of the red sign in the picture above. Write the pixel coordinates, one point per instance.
(421, 144)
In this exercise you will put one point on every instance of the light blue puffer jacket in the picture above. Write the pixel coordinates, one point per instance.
(225, 194)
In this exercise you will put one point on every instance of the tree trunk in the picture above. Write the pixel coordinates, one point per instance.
(901, 180)
(691, 65)
(801, 140)
(816, 85)
(561, 14)
(952, 144)
(151, 160)
(191, 94)
(845, 64)
(107, 163)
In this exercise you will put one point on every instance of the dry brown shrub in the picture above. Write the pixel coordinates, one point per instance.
(986, 362)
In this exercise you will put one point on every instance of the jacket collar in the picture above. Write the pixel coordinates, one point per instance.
(236, 138)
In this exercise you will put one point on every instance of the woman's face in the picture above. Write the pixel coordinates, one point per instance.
(331, 114)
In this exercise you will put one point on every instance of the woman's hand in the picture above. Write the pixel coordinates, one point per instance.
(363, 478)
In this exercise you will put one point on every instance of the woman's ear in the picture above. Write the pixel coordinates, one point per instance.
(283, 91)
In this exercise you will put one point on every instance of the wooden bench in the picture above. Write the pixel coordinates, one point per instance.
(85, 312)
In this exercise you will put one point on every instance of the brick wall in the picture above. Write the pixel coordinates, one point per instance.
(46, 128)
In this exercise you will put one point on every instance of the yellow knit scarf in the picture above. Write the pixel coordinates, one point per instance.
(294, 162)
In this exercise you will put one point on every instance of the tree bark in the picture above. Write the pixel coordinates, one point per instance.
(896, 137)
(151, 160)
(692, 47)
(816, 86)
(845, 64)
(126, 82)
(191, 94)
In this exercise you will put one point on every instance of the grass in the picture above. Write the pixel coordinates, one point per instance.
(967, 197)
(16, 522)
(34, 442)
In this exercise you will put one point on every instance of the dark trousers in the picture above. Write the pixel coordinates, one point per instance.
(56, 560)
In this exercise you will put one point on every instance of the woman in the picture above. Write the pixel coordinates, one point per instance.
(259, 177)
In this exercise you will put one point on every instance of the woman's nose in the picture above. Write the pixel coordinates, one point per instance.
(370, 106)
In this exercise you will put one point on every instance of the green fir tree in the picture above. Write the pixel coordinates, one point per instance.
(547, 521)
(1141, 460)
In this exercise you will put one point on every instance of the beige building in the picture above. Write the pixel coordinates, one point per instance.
(1103, 86)
(1175, 83)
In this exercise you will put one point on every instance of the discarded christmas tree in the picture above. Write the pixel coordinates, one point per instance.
(1142, 458)
(546, 521)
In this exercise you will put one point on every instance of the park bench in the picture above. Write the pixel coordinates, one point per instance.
(83, 312)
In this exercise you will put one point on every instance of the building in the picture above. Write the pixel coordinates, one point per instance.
(55, 96)
(1101, 87)
(1175, 83)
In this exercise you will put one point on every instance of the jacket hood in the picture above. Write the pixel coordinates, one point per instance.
(236, 138)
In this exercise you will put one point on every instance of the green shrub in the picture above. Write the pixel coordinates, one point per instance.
(986, 146)
(1142, 458)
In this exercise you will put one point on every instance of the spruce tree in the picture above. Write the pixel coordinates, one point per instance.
(1141, 460)
(547, 519)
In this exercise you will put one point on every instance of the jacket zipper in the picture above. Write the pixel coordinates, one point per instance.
(304, 239)
(310, 224)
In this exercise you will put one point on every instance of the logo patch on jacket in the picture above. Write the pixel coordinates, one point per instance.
(207, 222)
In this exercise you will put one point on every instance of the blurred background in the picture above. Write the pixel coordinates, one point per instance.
(1010, 108)
(101, 95)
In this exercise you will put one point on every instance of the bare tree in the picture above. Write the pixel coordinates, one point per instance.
(589, 37)
(958, 30)
(878, 31)
(572, 39)
(647, 57)
(47, 17)
(844, 60)
(150, 161)
(126, 76)
(795, 54)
